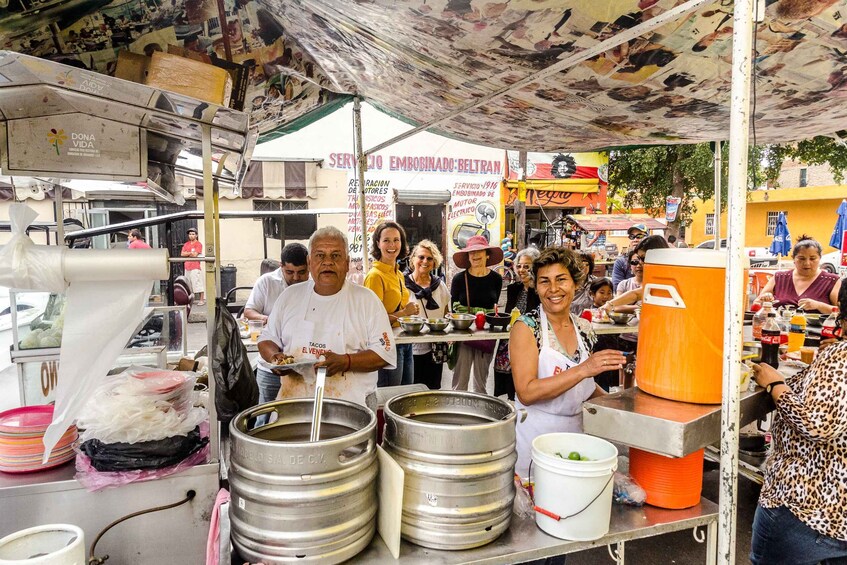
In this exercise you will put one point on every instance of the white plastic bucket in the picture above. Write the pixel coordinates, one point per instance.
(573, 499)
(51, 544)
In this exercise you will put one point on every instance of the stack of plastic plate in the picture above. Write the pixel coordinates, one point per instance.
(21, 434)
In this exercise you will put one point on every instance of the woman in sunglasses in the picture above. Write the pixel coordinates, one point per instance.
(433, 297)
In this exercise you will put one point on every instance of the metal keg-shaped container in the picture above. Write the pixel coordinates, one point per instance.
(295, 501)
(458, 451)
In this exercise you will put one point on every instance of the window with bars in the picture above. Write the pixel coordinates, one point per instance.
(291, 227)
(277, 205)
(804, 180)
(772, 218)
(710, 224)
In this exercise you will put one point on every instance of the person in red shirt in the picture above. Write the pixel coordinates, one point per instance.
(193, 248)
(135, 240)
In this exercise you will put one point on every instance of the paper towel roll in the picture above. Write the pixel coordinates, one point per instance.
(80, 265)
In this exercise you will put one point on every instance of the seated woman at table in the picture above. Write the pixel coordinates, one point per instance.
(549, 348)
(801, 516)
(629, 292)
(433, 298)
(521, 295)
(805, 286)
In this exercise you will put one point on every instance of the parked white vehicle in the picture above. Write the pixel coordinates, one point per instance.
(30, 306)
(760, 257)
(830, 262)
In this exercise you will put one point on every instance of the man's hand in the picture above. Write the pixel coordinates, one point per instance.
(335, 363)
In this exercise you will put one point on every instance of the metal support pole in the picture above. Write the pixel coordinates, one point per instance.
(361, 165)
(742, 52)
(59, 202)
(717, 223)
(210, 225)
(520, 205)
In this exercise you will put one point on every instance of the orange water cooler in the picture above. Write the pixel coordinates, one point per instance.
(681, 330)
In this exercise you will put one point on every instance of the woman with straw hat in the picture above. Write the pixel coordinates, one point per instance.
(476, 286)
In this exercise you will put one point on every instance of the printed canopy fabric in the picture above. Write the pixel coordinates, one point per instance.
(422, 58)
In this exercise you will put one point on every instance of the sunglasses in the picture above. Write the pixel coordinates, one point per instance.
(633, 236)
(636, 261)
(425, 258)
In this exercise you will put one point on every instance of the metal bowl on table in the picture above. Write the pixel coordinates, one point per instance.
(619, 318)
(752, 351)
(411, 324)
(461, 321)
(437, 324)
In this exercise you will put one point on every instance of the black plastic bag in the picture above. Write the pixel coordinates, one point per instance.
(236, 387)
(109, 457)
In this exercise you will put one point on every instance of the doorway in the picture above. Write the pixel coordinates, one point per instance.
(423, 221)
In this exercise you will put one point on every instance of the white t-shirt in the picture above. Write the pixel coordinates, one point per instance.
(442, 296)
(265, 292)
(304, 324)
(626, 285)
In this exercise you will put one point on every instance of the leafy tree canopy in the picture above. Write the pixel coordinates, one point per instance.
(646, 176)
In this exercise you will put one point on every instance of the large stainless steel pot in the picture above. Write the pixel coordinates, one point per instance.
(458, 452)
(299, 502)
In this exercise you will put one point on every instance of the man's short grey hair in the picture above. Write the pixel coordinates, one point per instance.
(530, 252)
(328, 232)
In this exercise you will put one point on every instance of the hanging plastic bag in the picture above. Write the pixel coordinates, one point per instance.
(26, 265)
(236, 388)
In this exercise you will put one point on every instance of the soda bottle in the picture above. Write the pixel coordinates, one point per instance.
(759, 320)
(797, 330)
(830, 325)
(770, 341)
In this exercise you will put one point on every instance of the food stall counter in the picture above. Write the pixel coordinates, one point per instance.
(426, 336)
(524, 541)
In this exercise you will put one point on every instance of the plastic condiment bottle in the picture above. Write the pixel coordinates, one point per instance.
(759, 319)
(828, 331)
(770, 341)
(797, 330)
(515, 314)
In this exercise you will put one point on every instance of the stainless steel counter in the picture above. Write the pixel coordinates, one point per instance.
(524, 541)
(426, 336)
(666, 427)
(608, 329)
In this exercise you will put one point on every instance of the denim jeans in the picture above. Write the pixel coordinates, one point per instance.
(404, 374)
(779, 537)
(268, 389)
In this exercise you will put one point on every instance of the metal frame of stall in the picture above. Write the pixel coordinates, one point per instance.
(185, 121)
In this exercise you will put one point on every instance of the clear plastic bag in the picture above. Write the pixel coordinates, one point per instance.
(628, 492)
(523, 506)
(141, 404)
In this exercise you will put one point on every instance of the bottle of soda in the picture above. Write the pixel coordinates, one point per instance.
(797, 330)
(770, 341)
(830, 325)
(759, 320)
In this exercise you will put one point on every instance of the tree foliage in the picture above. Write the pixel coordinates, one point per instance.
(646, 176)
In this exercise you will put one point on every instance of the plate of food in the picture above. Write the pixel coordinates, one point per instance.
(288, 363)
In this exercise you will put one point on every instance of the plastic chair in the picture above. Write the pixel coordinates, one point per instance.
(235, 309)
(758, 281)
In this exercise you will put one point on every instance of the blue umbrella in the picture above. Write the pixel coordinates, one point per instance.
(781, 237)
(840, 226)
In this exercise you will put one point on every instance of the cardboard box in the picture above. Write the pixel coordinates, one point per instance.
(132, 66)
(189, 77)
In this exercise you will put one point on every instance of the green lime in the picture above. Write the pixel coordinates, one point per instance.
(574, 456)
(584, 458)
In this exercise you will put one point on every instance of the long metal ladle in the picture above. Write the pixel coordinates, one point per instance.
(320, 381)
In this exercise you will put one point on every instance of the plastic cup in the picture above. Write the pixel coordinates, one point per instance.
(807, 354)
(255, 328)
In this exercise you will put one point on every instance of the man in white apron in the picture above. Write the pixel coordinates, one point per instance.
(343, 327)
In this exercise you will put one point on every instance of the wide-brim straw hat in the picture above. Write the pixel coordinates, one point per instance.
(477, 243)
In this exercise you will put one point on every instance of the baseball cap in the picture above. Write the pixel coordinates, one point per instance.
(637, 227)
(194, 230)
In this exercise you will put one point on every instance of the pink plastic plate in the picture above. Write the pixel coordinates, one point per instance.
(26, 419)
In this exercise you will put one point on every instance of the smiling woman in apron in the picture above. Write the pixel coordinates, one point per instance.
(386, 281)
(549, 349)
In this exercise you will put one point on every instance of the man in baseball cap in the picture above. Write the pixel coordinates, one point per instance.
(621, 269)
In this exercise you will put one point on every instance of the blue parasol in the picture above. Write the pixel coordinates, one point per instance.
(840, 226)
(781, 237)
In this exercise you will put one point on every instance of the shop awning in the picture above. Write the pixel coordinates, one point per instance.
(610, 222)
(280, 180)
(585, 186)
(421, 197)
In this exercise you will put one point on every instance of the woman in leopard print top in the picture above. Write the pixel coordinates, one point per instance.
(802, 512)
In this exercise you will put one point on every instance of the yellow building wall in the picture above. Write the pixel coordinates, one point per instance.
(810, 211)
